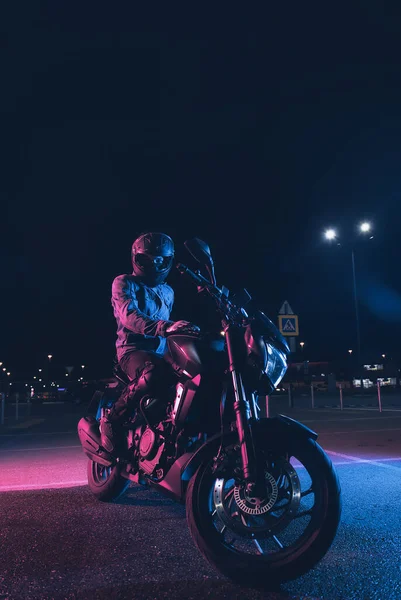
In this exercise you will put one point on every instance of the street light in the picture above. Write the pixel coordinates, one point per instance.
(365, 227)
(330, 234)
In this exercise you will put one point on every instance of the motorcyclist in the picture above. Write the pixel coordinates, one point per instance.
(142, 304)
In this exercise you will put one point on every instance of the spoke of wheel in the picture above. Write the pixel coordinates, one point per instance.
(306, 493)
(230, 493)
(214, 512)
(284, 494)
(222, 530)
(230, 502)
(279, 544)
(244, 520)
(279, 506)
(304, 513)
(258, 546)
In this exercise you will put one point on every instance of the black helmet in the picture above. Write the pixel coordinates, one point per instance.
(152, 257)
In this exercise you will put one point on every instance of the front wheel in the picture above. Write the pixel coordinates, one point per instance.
(106, 483)
(263, 542)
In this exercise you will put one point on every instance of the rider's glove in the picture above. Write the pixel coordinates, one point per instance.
(182, 327)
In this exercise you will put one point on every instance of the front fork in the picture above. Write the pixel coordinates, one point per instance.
(245, 412)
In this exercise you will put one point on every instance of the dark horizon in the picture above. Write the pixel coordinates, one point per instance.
(255, 143)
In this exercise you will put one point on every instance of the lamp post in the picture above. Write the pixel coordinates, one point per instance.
(48, 365)
(331, 235)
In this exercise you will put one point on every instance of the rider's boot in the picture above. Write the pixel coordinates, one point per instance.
(111, 423)
(108, 434)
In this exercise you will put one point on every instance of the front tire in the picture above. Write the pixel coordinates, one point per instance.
(266, 544)
(106, 483)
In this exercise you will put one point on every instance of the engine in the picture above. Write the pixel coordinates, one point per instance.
(151, 458)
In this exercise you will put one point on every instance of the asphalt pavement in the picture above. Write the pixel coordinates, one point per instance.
(57, 541)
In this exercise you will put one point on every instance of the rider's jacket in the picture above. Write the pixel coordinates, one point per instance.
(142, 314)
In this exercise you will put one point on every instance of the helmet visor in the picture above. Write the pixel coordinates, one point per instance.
(156, 264)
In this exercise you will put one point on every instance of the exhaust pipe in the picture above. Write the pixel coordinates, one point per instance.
(89, 436)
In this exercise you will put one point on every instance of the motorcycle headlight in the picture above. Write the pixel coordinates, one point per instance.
(276, 364)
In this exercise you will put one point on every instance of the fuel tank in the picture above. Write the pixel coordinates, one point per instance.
(200, 364)
(190, 355)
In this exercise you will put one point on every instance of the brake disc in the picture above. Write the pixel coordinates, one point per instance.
(235, 507)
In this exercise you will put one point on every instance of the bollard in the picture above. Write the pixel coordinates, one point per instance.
(267, 407)
(379, 397)
(341, 396)
(312, 391)
(290, 401)
(3, 399)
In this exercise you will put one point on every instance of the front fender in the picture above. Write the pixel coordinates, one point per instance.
(277, 429)
(283, 426)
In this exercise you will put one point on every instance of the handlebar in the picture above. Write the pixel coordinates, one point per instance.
(230, 310)
(197, 278)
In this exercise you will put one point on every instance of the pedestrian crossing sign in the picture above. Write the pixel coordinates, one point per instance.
(288, 325)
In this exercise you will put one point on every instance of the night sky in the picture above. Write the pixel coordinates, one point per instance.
(251, 132)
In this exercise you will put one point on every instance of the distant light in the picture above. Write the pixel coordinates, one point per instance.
(50, 356)
(35, 377)
(66, 374)
(40, 370)
(302, 344)
(4, 369)
(40, 380)
(330, 234)
(383, 356)
(323, 375)
(8, 373)
(365, 227)
(350, 351)
(83, 366)
(222, 333)
(1, 364)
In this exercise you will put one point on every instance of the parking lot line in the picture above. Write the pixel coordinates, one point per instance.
(356, 459)
(42, 486)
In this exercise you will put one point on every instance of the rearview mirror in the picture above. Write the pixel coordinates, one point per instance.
(201, 253)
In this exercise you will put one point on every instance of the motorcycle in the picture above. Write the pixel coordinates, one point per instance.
(263, 502)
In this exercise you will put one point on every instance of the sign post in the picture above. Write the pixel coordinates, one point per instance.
(288, 324)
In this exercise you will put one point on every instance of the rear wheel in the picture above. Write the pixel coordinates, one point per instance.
(263, 542)
(106, 483)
